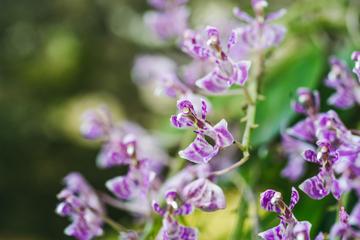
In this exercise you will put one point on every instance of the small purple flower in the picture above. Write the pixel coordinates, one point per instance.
(117, 151)
(204, 194)
(137, 182)
(226, 72)
(171, 228)
(343, 229)
(169, 20)
(80, 203)
(347, 88)
(96, 123)
(302, 136)
(289, 228)
(325, 182)
(259, 32)
(158, 73)
(180, 180)
(294, 145)
(307, 102)
(192, 113)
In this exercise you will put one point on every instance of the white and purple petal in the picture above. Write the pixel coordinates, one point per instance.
(315, 187)
(199, 151)
(204, 194)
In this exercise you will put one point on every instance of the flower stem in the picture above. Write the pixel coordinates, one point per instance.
(115, 225)
(252, 91)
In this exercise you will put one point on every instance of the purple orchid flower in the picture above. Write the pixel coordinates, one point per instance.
(205, 195)
(343, 229)
(227, 71)
(80, 203)
(302, 136)
(259, 32)
(347, 88)
(192, 113)
(169, 20)
(160, 74)
(136, 183)
(96, 123)
(325, 182)
(171, 228)
(289, 228)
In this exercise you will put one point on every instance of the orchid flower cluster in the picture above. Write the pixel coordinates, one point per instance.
(148, 191)
(322, 139)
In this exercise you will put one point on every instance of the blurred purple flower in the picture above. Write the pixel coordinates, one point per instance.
(325, 182)
(294, 147)
(343, 229)
(169, 20)
(259, 32)
(159, 72)
(192, 113)
(289, 228)
(307, 102)
(136, 183)
(171, 229)
(347, 88)
(80, 203)
(204, 194)
(96, 123)
(302, 136)
(226, 71)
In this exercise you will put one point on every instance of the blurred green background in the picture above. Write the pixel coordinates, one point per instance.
(60, 57)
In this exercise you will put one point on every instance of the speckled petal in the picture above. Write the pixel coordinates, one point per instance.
(315, 187)
(199, 151)
(223, 136)
(204, 194)
(275, 233)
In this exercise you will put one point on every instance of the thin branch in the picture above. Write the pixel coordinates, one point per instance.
(121, 205)
(232, 167)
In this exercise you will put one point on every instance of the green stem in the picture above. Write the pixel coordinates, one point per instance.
(252, 91)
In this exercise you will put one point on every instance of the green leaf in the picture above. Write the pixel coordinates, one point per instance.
(302, 69)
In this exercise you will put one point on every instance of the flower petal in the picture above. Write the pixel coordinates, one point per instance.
(199, 151)
(242, 72)
(315, 187)
(268, 200)
(294, 198)
(204, 194)
(275, 233)
(223, 136)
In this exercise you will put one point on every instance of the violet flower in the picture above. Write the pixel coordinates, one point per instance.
(325, 182)
(289, 228)
(158, 72)
(259, 32)
(96, 123)
(205, 195)
(337, 148)
(138, 179)
(171, 228)
(226, 71)
(343, 229)
(347, 88)
(192, 113)
(302, 136)
(170, 18)
(81, 204)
